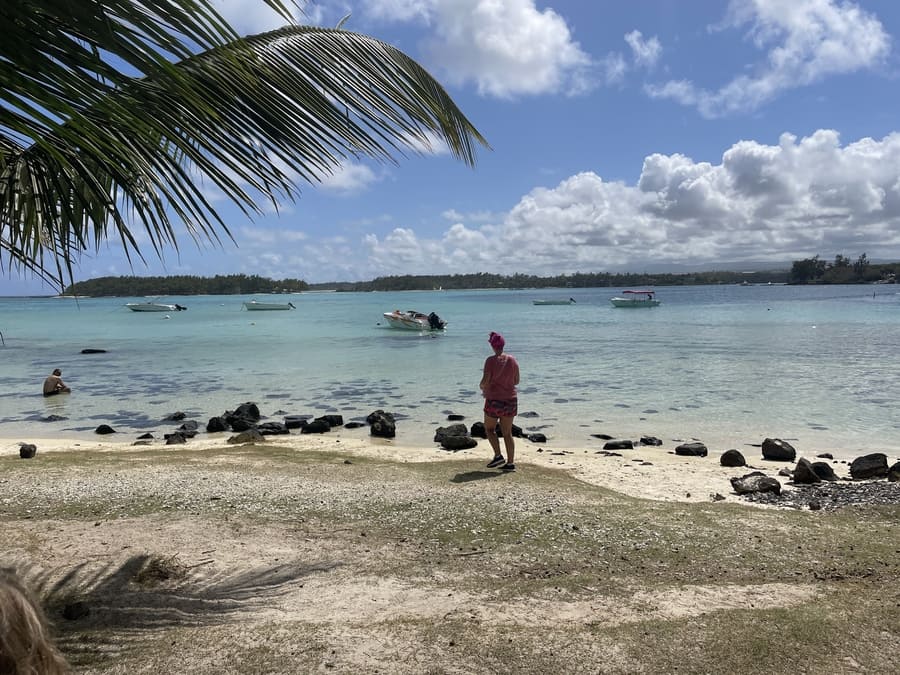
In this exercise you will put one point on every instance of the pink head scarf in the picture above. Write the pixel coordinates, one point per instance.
(496, 340)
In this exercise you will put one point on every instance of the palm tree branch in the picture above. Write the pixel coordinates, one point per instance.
(251, 117)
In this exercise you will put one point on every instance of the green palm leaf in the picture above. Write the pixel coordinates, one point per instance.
(101, 133)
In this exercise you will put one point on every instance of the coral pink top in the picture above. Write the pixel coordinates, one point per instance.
(503, 371)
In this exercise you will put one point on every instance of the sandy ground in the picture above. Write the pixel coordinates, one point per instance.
(333, 600)
(651, 472)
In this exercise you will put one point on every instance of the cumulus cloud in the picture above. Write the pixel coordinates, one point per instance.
(775, 202)
(796, 199)
(805, 41)
(508, 48)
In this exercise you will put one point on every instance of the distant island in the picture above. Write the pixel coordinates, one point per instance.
(808, 271)
(231, 284)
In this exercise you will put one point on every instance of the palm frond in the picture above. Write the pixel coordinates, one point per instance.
(88, 152)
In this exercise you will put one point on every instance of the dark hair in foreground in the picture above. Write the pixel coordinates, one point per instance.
(26, 647)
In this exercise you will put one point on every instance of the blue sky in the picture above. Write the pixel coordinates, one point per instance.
(651, 135)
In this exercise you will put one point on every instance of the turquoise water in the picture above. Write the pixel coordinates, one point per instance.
(728, 365)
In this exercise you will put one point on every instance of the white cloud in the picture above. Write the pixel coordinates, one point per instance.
(806, 41)
(508, 48)
(761, 202)
(348, 179)
(646, 52)
(429, 143)
(614, 68)
(249, 17)
(786, 201)
(255, 236)
(401, 10)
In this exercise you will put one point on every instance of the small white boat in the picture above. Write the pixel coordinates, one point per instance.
(413, 320)
(635, 299)
(552, 301)
(255, 306)
(154, 307)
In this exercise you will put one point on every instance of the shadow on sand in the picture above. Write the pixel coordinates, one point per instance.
(469, 476)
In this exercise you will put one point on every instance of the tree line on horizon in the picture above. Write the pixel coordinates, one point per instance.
(230, 284)
(842, 270)
(480, 280)
(808, 271)
(237, 284)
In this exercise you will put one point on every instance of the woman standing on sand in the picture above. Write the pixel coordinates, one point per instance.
(498, 386)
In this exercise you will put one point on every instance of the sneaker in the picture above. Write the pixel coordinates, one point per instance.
(497, 461)
(509, 467)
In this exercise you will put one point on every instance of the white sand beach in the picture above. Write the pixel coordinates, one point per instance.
(651, 472)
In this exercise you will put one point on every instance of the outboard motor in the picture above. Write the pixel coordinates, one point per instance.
(180, 308)
(436, 322)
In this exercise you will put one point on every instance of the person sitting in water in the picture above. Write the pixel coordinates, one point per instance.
(54, 385)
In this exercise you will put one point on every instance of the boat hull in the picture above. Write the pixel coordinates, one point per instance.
(411, 320)
(553, 302)
(150, 307)
(253, 306)
(628, 302)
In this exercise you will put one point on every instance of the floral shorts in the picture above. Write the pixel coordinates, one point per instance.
(501, 407)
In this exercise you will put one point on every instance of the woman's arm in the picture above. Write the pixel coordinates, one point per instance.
(485, 378)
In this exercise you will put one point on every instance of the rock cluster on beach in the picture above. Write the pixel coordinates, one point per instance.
(812, 484)
(460, 437)
(246, 421)
(817, 486)
(809, 483)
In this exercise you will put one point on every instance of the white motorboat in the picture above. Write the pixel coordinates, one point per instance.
(256, 306)
(154, 307)
(413, 320)
(635, 299)
(555, 301)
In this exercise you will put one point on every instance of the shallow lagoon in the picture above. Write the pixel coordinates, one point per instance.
(728, 365)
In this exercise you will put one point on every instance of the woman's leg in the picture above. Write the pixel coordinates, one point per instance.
(490, 429)
(506, 424)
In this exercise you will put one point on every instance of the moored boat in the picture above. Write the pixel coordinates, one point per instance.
(413, 320)
(154, 307)
(256, 306)
(636, 299)
(554, 301)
